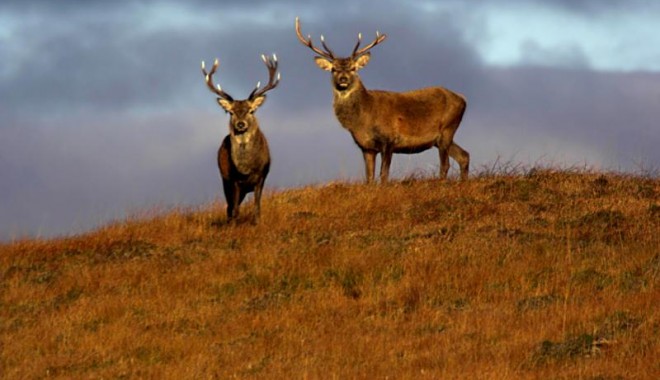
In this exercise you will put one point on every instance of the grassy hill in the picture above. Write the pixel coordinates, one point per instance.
(542, 274)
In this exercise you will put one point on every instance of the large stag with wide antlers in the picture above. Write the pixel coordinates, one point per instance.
(243, 157)
(388, 122)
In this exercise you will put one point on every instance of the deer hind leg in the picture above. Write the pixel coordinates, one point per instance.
(444, 162)
(369, 164)
(462, 157)
(243, 194)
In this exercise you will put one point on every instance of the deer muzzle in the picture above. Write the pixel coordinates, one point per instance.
(240, 127)
(342, 82)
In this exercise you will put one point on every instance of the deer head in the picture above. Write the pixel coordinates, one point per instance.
(242, 119)
(344, 70)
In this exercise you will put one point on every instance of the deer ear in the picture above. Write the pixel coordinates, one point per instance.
(256, 103)
(323, 63)
(225, 104)
(362, 61)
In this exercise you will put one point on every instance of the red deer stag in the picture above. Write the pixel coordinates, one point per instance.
(243, 157)
(388, 122)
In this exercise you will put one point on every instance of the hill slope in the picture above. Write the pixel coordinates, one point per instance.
(550, 273)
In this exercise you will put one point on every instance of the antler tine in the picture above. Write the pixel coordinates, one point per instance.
(273, 80)
(379, 38)
(208, 76)
(308, 42)
(332, 55)
(357, 45)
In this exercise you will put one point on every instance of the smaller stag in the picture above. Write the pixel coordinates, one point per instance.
(243, 157)
(388, 122)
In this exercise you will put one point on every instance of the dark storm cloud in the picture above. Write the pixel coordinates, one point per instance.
(104, 112)
(84, 68)
(108, 63)
(587, 7)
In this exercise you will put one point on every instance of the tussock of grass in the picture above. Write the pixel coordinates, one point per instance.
(516, 273)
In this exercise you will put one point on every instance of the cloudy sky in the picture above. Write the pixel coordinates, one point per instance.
(104, 112)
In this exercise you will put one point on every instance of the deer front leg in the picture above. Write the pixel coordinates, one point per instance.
(233, 200)
(444, 162)
(228, 188)
(369, 164)
(386, 160)
(257, 200)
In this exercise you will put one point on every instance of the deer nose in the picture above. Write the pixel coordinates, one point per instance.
(241, 125)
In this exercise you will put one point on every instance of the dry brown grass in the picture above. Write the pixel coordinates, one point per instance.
(544, 274)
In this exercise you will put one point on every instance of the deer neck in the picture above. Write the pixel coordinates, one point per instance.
(351, 104)
(244, 148)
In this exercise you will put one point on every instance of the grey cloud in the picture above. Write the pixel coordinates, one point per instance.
(605, 112)
(569, 56)
(587, 7)
(64, 178)
(98, 67)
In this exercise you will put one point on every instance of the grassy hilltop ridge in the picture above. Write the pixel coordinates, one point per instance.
(543, 274)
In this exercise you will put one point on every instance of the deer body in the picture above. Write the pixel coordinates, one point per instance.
(408, 122)
(243, 156)
(388, 122)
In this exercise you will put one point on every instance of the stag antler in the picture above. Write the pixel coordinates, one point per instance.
(209, 81)
(379, 38)
(308, 42)
(271, 64)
